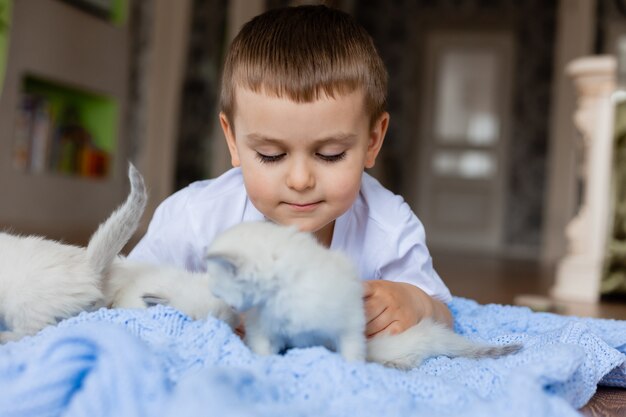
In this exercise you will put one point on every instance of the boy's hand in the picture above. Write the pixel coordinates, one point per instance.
(392, 307)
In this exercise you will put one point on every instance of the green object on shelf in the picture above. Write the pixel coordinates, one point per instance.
(119, 12)
(5, 30)
(98, 114)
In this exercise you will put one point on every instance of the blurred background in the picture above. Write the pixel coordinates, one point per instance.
(482, 141)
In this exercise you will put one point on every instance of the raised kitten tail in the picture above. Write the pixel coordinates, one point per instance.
(429, 338)
(107, 242)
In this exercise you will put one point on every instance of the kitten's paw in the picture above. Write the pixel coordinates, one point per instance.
(260, 345)
(352, 347)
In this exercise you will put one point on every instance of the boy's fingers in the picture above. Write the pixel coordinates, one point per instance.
(379, 325)
(368, 289)
(378, 321)
(394, 328)
(372, 312)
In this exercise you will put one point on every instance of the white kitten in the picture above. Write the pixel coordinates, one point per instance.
(132, 284)
(303, 294)
(43, 281)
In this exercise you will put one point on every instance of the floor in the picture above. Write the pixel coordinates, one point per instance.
(489, 279)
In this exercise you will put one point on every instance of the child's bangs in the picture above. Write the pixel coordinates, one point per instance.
(300, 85)
(307, 81)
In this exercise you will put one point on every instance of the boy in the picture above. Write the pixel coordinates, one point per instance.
(303, 112)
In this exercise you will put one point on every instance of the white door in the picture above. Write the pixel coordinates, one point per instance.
(465, 128)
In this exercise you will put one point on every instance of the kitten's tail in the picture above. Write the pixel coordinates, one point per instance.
(107, 242)
(428, 338)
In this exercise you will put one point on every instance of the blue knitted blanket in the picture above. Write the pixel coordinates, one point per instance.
(158, 362)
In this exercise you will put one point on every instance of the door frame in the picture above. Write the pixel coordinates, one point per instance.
(503, 43)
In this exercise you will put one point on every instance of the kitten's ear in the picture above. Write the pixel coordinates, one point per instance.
(228, 263)
(151, 300)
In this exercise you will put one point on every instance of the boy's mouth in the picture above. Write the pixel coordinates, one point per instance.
(304, 206)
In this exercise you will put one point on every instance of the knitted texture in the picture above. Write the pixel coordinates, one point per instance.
(158, 362)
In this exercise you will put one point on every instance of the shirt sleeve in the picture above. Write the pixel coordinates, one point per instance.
(170, 236)
(408, 258)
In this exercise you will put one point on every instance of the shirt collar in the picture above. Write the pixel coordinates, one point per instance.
(250, 213)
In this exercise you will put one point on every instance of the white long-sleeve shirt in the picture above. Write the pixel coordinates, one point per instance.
(379, 232)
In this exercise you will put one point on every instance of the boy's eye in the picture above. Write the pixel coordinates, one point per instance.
(331, 158)
(269, 158)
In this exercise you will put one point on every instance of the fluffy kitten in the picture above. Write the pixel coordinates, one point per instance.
(131, 284)
(43, 281)
(303, 294)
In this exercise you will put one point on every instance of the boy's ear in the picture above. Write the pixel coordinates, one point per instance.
(229, 133)
(377, 136)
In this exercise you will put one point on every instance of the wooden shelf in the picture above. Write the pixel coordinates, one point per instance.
(54, 48)
(59, 129)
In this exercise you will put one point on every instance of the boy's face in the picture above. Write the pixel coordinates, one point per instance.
(302, 162)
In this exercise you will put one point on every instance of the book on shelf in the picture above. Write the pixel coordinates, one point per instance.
(23, 133)
(52, 139)
(40, 137)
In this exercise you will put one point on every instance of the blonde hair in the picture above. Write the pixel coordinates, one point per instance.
(303, 53)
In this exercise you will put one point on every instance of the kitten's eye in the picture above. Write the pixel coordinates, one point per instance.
(331, 158)
(151, 300)
(269, 158)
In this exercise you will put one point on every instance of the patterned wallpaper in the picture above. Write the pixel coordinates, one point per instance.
(198, 111)
(399, 28)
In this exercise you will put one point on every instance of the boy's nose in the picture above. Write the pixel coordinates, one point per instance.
(300, 177)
